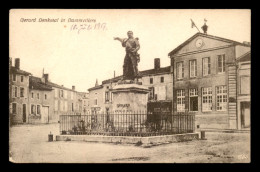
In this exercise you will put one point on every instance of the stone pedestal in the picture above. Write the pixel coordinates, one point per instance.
(129, 97)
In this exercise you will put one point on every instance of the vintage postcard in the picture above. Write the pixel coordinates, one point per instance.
(129, 85)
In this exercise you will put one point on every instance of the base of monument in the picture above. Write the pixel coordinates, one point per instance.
(129, 93)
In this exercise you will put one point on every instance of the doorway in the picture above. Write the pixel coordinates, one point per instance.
(45, 114)
(245, 114)
(24, 112)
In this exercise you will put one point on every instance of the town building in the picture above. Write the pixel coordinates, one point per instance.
(244, 90)
(204, 79)
(38, 100)
(159, 81)
(40, 106)
(18, 93)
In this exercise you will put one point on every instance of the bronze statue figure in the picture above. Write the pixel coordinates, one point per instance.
(132, 58)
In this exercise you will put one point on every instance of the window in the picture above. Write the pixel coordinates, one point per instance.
(180, 70)
(206, 99)
(193, 68)
(65, 94)
(151, 80)
(32, 109)
(180, 100)
(194, 99)
(221, 98)
(21, 78)
(38, 96)
(205, 66)
(56, 92)
(244, 85)
(38, 109)
(56, 105)
(15, 92)
(45, 96)
(95, 102)
(32, 95)
(21, 92)
(14, 77)
(14, 106)
(61, 93)
(151, 93)
(107, 96)
(162, 79)
(72, 107)
(221, 63)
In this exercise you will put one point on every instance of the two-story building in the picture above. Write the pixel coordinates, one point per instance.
(18, 97)
(40, 96)
(204, 80)
(244, 90)
(159, 81)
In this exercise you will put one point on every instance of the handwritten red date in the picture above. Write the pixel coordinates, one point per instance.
(95, 26)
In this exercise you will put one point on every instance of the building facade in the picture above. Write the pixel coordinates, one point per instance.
(38, 100)
(18, 93)
(244, 91)
(40, 96)
(204, 80)
(159, 81)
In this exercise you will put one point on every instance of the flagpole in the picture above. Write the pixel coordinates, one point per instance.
(194, 25)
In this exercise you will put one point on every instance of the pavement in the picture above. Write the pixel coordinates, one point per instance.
(29, 143)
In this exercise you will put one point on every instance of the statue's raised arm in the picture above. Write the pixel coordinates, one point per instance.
(119, 39)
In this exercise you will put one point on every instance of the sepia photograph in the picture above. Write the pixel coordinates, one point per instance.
(130, 86)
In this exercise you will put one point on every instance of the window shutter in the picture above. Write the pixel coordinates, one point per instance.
(209, 65)
(104, 95)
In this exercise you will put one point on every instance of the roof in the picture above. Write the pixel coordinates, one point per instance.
(37, 84)
(112, 79)
(245, 57)
(19, 71)
(208, 36)
(95, 88)
(156, 71)
(58, 86)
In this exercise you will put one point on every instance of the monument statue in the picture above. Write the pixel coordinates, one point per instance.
(132, 58)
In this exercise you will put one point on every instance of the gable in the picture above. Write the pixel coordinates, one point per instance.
(207, 43)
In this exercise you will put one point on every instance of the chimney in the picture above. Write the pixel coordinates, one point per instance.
(204, 28)
(96, 83)
(46, 77)
(73, 87)
(17, 63)
(157, 63)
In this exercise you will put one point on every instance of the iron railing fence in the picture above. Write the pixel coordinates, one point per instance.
(146, 124)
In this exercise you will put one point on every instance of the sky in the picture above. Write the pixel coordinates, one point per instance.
(79, 57)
